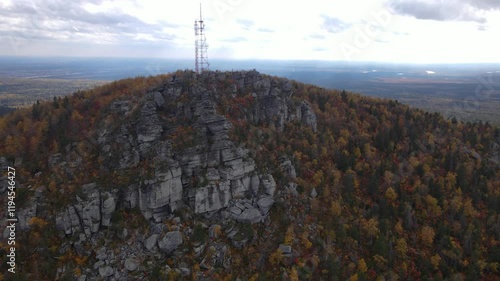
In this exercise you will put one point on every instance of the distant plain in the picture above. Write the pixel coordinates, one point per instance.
(469, 92)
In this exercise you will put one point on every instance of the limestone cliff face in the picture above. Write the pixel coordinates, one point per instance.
(178, 130)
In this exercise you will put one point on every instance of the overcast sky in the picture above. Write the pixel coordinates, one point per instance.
(422, 31)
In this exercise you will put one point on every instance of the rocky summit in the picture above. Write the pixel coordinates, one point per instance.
(206, 171)
(243, 176)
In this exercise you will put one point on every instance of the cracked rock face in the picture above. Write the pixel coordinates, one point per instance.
(148, 128)
(274, 104)
(87, 215)
(209, 173)
(205, 170)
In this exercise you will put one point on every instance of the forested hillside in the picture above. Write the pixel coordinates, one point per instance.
(332, 185)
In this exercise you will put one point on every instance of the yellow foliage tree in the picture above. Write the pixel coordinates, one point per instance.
(289, 236)
(391, 195)
(371, 227)
(317, 178)
(469, 209)
(451, 181)
(399, 228)
(294, 276)
(434, 211)
(336, 208)
(435, 260)
(305, 240)
(276, 258)
(427, 235)
(401, 247)
(362, 265)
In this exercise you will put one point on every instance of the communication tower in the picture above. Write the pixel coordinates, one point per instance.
(200, 46)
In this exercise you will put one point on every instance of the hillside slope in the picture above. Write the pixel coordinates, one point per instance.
(231, 175)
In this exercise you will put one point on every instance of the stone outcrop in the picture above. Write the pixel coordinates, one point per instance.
(307, 116)
(288, 168)
(177, 129)
(210, 171)
(88, 214)
(274, 104)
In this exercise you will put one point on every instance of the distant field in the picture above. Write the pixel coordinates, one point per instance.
(469, 97)
(20, 92)
(465, 100)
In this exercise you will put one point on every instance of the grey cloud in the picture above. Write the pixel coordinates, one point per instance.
(484, 4)
(452, 10)
(334, 25)
(71, 17)
(22, 34)
(20, 8)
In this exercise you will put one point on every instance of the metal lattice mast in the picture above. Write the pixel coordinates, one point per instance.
(200, 46)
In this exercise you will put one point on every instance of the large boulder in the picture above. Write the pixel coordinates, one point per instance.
(170, 242)
(106, 271)
(107, 208)
(265, 204)
(151, 242)
(131, 264)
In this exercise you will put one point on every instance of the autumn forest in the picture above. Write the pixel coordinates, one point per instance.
(382, 191)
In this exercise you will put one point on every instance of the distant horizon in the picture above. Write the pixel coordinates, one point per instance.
(247, 60)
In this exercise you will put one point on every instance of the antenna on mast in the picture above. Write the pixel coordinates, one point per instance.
(200, 46)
